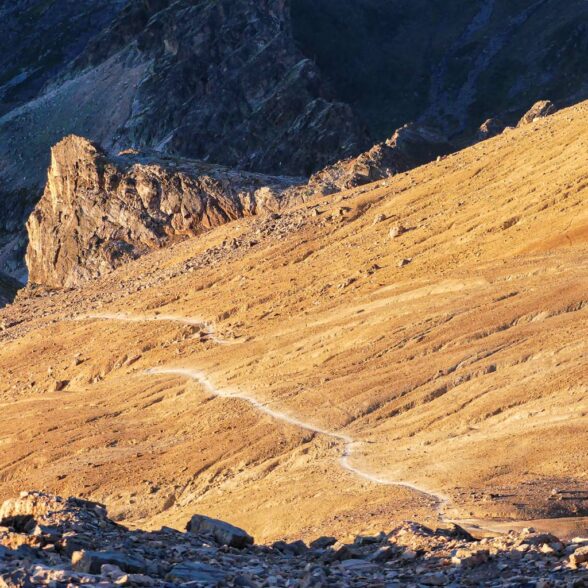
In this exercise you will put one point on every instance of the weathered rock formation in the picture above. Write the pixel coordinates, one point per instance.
(99, 211)
(540, 109)
(51, 541)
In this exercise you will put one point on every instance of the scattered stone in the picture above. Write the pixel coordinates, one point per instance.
(490, 128)
(59, 385)
(579, 556)
(197, 572)
(396, 231)
(470, 559)
(323, 542)
(404, 262)
(91, 562)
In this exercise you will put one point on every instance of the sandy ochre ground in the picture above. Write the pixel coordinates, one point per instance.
(287, 373)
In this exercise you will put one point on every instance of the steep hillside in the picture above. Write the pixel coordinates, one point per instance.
(411, 349)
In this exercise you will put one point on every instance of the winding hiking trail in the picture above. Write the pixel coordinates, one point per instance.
(197, 375)
(349, 444)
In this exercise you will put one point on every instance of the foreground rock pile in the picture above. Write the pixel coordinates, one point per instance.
(47, 540)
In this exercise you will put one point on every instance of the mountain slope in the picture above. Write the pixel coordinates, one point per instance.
(414, 348)
(278, 87)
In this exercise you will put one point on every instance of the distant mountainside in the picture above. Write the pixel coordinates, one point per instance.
(270, 86)
(453, 64)
(8, 289)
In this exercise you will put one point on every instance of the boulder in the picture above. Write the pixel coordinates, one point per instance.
(323, 542)
(223, 533)
(201, 573)
(579, 556)
(91, 562)
(540, 109)
(490, 128)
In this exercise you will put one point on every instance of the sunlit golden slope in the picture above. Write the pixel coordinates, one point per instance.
(463, 372)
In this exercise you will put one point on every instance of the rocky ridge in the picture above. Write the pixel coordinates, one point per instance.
(99, 211)
(409, 147)
(46, 540)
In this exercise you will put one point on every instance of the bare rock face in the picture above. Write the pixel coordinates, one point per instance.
(409, 147)
(540, 109)
(99, 211)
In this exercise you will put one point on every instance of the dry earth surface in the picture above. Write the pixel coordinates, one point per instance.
(437, 319)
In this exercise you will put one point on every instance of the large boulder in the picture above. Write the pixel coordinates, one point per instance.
(540, 109)
(223, 533)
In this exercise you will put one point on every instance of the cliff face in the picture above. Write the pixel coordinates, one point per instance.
(98, 212)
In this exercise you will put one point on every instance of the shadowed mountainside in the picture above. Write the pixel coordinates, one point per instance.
(220, 81)
(452, 64)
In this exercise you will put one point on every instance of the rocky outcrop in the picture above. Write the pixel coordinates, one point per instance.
(490, 128)
(540, 109)
(8, 289)
(99, 211)
(409, 147)
(50, 541)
